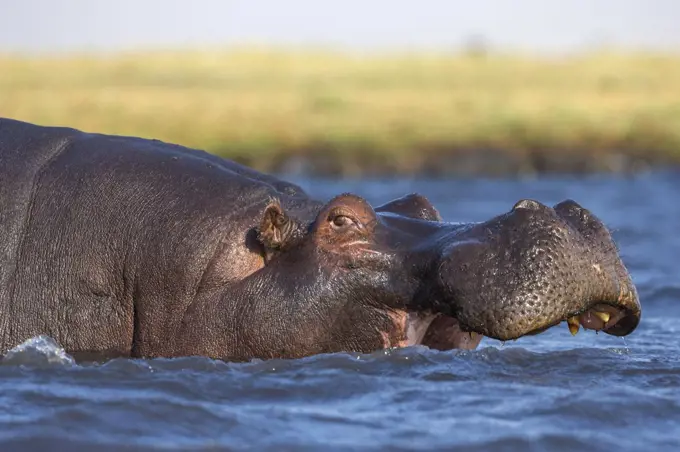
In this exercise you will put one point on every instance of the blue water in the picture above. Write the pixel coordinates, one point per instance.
(547, 392)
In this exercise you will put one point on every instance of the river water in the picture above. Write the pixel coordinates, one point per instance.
(547, 392)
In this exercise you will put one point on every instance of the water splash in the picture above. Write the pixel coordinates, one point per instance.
(38, 351)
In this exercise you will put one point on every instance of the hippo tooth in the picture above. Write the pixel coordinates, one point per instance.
(573, 325)
(604, 316)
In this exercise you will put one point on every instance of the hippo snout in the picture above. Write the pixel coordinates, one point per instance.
(535, 267)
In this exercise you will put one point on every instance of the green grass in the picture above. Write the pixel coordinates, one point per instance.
(400, 112)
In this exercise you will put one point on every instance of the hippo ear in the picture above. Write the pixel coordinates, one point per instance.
(275, 228)
(413, 206)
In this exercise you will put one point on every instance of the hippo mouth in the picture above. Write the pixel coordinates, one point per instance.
(433, 330)
(605, 317)
(443, 332)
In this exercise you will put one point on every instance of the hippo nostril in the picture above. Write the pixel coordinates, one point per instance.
(528, 204)
(572, 209)
(588, 225)
(569, 205)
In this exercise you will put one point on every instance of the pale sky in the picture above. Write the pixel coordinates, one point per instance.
(534, 25)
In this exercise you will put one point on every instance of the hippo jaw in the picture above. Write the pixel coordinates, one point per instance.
(536, 267)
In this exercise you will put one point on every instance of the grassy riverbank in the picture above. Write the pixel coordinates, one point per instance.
(349, 114)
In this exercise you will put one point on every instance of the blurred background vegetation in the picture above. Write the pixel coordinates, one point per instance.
(356, 113)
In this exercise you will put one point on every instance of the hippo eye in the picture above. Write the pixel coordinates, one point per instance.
(341, 219)
(341, 222)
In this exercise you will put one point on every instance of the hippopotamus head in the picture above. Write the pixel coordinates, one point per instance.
(381, 276)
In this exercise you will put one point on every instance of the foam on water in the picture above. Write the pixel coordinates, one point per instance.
(38, 351)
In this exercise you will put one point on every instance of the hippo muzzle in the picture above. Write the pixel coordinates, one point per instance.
(534, 267)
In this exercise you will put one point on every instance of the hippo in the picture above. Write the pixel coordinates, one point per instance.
(118, 246)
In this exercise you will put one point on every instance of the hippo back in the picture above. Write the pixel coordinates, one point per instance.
(24, 152)
(105, 240)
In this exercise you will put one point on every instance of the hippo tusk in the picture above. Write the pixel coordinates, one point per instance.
(573, 325)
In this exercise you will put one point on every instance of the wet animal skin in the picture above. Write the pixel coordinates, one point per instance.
(122, 246)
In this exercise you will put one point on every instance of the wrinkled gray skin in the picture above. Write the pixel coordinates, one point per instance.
(120, 246)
